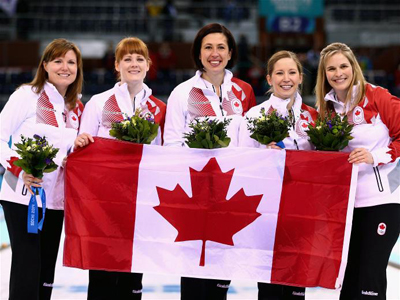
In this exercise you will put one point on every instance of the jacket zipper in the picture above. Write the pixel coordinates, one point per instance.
(378, 179)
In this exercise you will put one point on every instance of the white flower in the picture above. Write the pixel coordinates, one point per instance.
(29, 148)
(318, 127)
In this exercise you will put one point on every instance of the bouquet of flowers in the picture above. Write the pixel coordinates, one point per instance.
(208, 134)
(330, 133)
(269, 128)
(36, 156)
(135, 129)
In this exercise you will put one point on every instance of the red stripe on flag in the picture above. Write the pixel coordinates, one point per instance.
(308, 253)
(99, 210)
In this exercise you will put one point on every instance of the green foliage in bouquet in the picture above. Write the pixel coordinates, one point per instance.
(269, 128)
(36, 156)
(135, 129)
(208, 134)
(331, 133)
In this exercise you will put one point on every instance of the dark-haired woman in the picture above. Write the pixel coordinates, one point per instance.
(213, 92)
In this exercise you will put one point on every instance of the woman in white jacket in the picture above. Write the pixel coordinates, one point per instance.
(375, 113)
(132, 61)
(284, 75)
(213, 92)
(48, 106)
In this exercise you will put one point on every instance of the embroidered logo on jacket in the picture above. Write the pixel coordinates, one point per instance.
(232, 105)
(358, 115)
(111, 112)
(199, 105)
(302, 123)
(45, 112)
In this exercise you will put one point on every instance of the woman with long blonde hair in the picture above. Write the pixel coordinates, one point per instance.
(375, 147)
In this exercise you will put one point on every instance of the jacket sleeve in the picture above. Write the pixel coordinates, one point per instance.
(14, 113)
(389, 111)
(91, 118)
(175, 120)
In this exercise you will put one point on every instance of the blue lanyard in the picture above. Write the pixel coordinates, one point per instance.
(33, 210)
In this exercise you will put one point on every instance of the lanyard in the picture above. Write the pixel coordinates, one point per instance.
(33, 210)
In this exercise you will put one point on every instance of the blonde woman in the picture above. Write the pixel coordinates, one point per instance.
(284, 75)
(375, 113)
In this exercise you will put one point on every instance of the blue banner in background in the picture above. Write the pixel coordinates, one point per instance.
(297, 8)
(291, 24)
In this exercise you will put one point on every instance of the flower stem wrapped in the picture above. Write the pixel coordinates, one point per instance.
(268, 128)
(330, 133)
(208, 134)
(135, 129)
(36, 156)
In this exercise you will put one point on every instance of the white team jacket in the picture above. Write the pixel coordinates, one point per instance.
(110, 106)
(196, 98)
(45, 114)
(376, 122)
(303, 115)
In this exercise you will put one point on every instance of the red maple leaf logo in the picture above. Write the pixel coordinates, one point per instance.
(382, 226)
(208, 216)
(357, 113)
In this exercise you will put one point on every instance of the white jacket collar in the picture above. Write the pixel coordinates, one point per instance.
(206, 85)
(53, 93)
(143, 95)
(281, 104)
(338, 105)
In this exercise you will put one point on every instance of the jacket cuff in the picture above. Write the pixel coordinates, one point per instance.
(381, 156)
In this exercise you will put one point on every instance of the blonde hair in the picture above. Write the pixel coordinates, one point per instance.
(323, 87)
(58, 48)
(278, 56)
(131, 45)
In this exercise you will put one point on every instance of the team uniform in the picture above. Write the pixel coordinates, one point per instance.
(302, 115)
(196, 98)
(34, 255)
(376, 219)
(115, 105)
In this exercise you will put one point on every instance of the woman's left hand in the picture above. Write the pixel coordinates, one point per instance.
(360, 155)
(83, 139)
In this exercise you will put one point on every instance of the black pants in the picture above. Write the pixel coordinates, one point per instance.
(34, 256)
(203, 289)
(105, 285)
(369, 252)
(267, 291)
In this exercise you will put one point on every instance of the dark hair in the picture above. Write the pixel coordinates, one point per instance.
(58, 48)
(206, 30)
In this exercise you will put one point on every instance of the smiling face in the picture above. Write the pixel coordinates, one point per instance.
(339, 74)
(132, 68)
(62, 71)
(285, 78)
(214, 53)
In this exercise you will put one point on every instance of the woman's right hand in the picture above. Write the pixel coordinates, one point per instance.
(83, 140)
(273, 145)
(30, 181)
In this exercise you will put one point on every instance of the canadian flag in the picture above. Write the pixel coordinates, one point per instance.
(234, 213)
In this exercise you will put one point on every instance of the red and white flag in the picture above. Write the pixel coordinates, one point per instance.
(235, 213)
